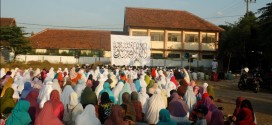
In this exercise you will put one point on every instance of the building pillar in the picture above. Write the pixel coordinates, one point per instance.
(165, 43)
(200, 44)
(216, 40)
(183, 42)
(148, 34)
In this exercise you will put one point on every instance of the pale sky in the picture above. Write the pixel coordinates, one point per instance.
(36, 15)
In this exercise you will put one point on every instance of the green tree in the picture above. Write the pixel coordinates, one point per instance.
(14, 39)
(265, 35)
(238, 41)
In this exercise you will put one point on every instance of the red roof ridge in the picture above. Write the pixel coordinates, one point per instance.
(77, 30)
(155, 9)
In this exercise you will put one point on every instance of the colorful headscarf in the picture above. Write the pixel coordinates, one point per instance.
(47, 117)
(164, 118)
(19, 115)
(7, 102)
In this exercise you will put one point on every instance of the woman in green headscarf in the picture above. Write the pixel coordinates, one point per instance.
(88, 97)
(7, 103)
(164, 118)
(147, 78)
(19, 115)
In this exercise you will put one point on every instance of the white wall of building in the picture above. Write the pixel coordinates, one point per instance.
(89, 60)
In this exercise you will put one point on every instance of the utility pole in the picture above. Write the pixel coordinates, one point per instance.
(247, 5)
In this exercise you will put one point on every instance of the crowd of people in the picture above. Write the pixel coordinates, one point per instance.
(111, 95)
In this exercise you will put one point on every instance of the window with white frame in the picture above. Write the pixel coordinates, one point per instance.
(191, 38)
(139, 33)
(208, 38)
(174, 37)
(157, 36)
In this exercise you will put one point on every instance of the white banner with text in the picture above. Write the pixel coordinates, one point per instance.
(130, 50)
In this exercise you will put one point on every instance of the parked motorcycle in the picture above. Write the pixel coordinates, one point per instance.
(252, 83)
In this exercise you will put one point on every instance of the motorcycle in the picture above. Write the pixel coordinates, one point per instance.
(252, 83)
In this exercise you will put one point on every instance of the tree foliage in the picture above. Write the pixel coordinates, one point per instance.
(14, 39)
(248, 42)
(265, 37)
(238, 40)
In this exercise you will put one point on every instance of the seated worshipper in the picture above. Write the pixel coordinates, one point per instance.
(107, 89)
(132, 85)
(197, 93)
(90, 81)
(47, 117)
(137, 84)
(169, 86)
(127, 118)
(164, 97)
(34, 108)
(205, 100)
(74, 76)
(217, 117)
(7, 83)
(178, 109)
(143, 98)
(152, 87)
(19, 115)
(37, 84)
(104, 108)
(164, 118)
(65, 95)
(130, 112)
(56, 86)
(88, 97)
(72, 110)
(79, 88)
(26, 90)
(170, 98)
(147, 78)
(5, 78)
(238, 105)
(137, 106)
(60, 79)
(154, 105)
(201, 112)
(246, 114)
(117, 89)
(88, 117)
(190, 98)
(126, 88)
(116, 117)
(44, 94)
(58, 107)
(15, 95)
(7, 103)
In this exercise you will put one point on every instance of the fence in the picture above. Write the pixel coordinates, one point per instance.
(89, 60)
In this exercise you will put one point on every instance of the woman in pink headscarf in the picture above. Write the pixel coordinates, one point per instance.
(47, 117)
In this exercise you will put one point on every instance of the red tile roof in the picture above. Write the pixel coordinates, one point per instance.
(166, 19)
(71, 39)
(7, 22)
